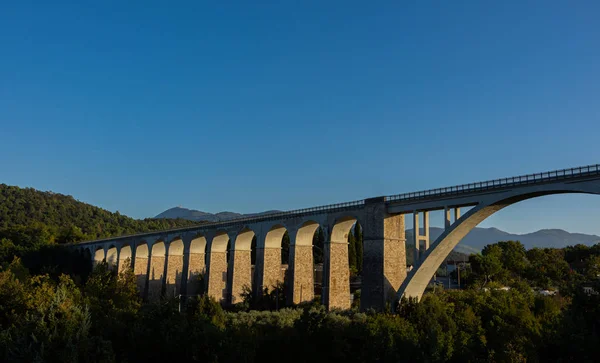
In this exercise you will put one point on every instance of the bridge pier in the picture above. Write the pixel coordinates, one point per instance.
(267, 269)
(239, 269)
(421, 241)
(175, 261)
(448, 215)
(196, 266)
(157, 271)
(239, 274)
(301, 273)
(336, 275)
(301, 264)
(384, 256)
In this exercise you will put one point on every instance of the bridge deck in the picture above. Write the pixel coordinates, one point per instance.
(398, 199)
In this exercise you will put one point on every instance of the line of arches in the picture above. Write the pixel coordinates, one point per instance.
(229, 265)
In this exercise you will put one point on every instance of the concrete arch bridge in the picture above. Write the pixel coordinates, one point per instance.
(169, 262)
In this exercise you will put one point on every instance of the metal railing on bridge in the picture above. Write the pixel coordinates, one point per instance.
(538, 178)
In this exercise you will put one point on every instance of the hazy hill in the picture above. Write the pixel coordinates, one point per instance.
(479, 237)
(196, 215)
(65, 219)
(472, 243)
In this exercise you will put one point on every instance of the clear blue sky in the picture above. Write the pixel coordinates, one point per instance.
(139, 106)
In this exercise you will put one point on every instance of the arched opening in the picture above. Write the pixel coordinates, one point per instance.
(355, 262)
(197, 266)
(272, 259)
(304, 263)
(174, 268)
(336, 286)
(98, 256)
(112, 257)
(125, 258)
(217, 266)
(240, 265)
(141, 266)
(157, 268)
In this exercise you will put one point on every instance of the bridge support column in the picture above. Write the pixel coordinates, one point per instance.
(174, 273)
(156, 276)
(196, 266)
(183, 289)
(421, 241)
(448, 215)
(217, 275)
(267, 270)
(301, 273)
(384, 256)
(336, 275)
(142, 269)
(239, 274)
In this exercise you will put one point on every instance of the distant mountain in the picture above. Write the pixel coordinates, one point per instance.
(472, 243)
(196, 215)
(480, 237)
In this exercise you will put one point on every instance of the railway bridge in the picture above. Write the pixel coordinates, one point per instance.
(171, 261)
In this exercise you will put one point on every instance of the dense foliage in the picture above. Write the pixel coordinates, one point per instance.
(33, 224)
(103, 320)
(54, 309)
(64, 219)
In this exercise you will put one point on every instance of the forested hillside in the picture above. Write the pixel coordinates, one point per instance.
(65, 219)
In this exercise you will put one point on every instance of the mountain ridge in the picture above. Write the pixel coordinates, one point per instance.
(471, 243)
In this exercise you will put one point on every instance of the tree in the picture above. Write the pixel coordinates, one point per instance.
(487, 264)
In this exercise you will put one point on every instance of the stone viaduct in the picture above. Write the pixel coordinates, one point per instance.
(170, 262)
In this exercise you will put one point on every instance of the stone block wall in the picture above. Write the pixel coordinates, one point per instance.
(338, 279)
(394, 254)
(173, 278)
(241, 274)
(140, 271)
(302, 284)
(155, 280)
(272, 268)
(196, 268)
(217, 276)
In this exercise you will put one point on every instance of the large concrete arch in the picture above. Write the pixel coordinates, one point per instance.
(197, 264)
(157, 270)
(240, 265)
(217, 266)
(336, 270)
(302, 287)
(417, 281)
(174, 262)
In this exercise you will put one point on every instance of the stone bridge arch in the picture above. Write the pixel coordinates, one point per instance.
(217, 265)
(174, 261)
(239, 271)
(197, 264)
(418, 279)
(156, 276)
(99, 255)
(268, 273)
(112, 256)
(301, 262)
(125, 256)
